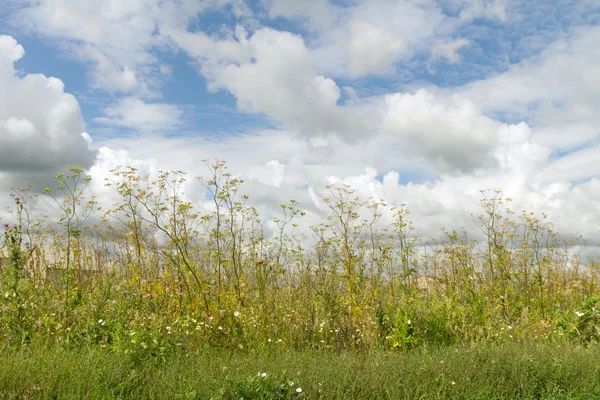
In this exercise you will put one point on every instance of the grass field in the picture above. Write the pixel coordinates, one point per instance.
(508, 371)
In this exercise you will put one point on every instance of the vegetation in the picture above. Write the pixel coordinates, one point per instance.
(497, 371)
(155, 279)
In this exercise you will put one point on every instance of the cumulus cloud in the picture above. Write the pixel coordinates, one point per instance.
(118, 39)
(41, 127)
(451, 133)
(270, 72)
(558, 91)
(133, 113)
(271, 174)
(371, 37)
(371, 49)
(114, 36)
(440, 200)
(432, 149)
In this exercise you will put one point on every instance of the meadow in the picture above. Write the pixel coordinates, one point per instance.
(155, 298)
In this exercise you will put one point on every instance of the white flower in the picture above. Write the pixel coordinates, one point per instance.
(298, 390)
(579, 314)
(236, 314)
(264, 374)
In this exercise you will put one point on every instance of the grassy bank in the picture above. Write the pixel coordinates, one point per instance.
(507, 371)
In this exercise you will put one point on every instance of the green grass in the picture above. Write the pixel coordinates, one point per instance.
(507, 371)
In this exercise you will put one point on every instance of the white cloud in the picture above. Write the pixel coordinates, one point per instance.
(575, 166)
(371, 37)
(271, 174)
(270, 73)
(449, 50)
(133, 113)
(483, 8)
(449, 146)
(114, 36)
(299, 173)
(371, 49)
(318, 12)
(41, 128)
(558, 90)
(118, 38)
(452, 134)
(469, 10)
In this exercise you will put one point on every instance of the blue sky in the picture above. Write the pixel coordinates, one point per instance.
(494, 45)
(418, 101)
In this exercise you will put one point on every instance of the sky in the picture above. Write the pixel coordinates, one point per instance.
(418, 102)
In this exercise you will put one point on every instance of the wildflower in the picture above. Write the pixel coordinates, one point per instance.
(17, 200)
(579, 314)
(236, 314)
(6, 225)
(262, 374)
(298, 390)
